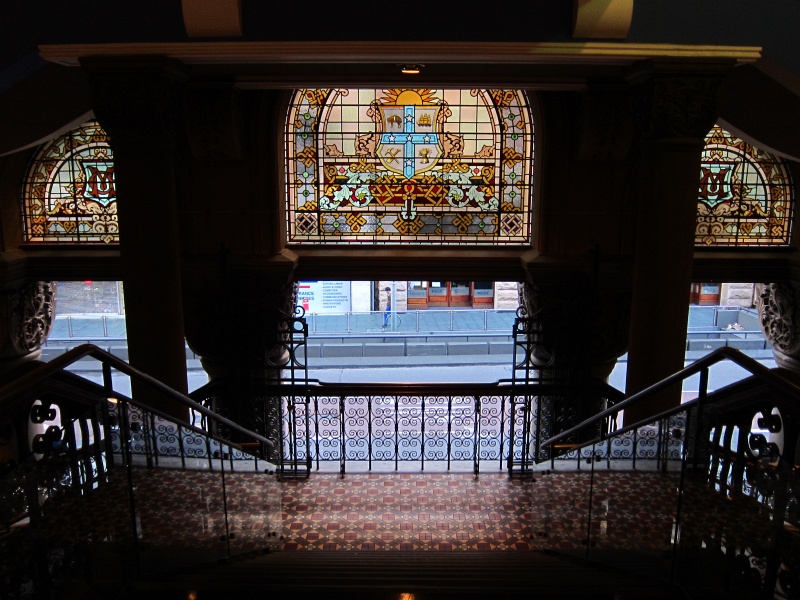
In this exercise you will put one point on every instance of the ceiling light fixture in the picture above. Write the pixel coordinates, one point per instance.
(411, 69)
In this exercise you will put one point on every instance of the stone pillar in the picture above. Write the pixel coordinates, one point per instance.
(506, 295)
(779, 313)
(137, 103)
(26, 317)
(575, 338)
(236, 322)
(680, 110)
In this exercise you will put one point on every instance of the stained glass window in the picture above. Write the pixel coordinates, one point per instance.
(69, 195)
(745, 195)
(409, 166)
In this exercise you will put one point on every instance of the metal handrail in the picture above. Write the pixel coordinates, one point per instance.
(770, 377)
(315, 387)
(24, 384)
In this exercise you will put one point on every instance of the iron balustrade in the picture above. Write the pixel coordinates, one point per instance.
(382, 426)
(730, 459)
(97, 453)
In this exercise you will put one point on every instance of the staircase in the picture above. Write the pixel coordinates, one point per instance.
(401, 575)
(124, 502)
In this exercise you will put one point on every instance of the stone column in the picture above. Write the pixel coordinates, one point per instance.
(237, 323)
(138, 103)
(680, 110)
(574, 338)
(779, 313)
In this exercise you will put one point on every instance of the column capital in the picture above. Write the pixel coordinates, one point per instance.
(28, 312)
(779, 312)
(582, 324)
(679, 101)
(235, 319)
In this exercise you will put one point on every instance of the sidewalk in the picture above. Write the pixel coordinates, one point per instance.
(459, 345)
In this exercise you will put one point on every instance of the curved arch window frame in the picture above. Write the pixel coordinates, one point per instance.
(331, 203)
(728, 215)
(69, 193)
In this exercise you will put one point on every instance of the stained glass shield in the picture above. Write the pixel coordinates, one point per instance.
(745, 196)
(69, 195)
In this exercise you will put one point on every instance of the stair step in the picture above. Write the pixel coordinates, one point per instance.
(433, 575)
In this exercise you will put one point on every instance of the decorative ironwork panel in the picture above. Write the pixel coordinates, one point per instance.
(746, 196)
(69, 195)
(326, 429)
(493, 427)
(398, 428)
(295, 433)
(384, 427)
(409, 166)
(463, 417)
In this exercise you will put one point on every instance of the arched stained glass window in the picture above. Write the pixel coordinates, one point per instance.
(69, 195)
(745, 197)
(408, 165)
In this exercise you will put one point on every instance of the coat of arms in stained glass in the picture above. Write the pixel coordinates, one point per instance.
(409, 166)
(745, 197)
(69, 195)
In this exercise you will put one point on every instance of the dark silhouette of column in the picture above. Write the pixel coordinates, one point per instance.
(678, 110)
(138, 103)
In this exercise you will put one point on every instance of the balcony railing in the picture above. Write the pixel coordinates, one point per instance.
(103, 467)
(730, 463)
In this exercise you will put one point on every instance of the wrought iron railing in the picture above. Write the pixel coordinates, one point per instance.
(727, 459)
(117, 463)
(385, 427)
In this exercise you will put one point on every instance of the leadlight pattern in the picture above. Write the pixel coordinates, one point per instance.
(69, 196)
(409, 166)
(745, 195)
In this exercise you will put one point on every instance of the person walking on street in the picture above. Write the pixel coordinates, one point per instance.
(388, 308)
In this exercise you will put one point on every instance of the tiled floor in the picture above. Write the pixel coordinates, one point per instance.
(406, 512)
(185, 509)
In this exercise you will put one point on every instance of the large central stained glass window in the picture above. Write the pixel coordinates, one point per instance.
(421, 166)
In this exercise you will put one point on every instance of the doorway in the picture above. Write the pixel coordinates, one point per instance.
(450, 294)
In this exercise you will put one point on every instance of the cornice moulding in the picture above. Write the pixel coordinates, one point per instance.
(222, 53)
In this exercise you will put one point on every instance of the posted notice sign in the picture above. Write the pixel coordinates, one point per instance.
(324, 296)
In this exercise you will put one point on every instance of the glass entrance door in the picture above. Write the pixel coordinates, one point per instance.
(459, 294)
(440, 294)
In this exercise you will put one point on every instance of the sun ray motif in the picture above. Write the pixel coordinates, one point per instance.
(395, 95)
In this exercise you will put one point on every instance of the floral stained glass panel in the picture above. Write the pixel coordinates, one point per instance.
(69, 195)
(409, 166)
(745, 197)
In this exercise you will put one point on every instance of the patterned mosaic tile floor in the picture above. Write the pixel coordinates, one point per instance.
(458, 512)
(185, 509)
(406, 512)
